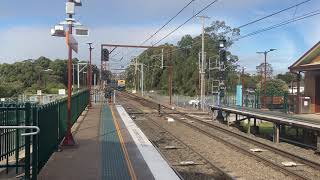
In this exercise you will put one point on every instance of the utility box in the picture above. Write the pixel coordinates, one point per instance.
(305, 105)
(70, 8)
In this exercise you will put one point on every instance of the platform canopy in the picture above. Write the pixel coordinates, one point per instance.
(310, 61)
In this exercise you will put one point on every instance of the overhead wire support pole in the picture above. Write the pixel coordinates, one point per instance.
(202, 63)
(170, 67)
(265, 53)
(142, 80)
(162, 58)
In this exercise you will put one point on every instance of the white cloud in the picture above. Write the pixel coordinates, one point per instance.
(20, 43)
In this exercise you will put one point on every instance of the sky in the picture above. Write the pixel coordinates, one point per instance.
(25, 28)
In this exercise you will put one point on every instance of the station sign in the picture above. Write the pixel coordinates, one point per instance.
(72, 42)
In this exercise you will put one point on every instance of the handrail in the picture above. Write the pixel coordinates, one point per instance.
(23, 127)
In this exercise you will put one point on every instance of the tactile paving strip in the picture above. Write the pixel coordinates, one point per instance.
(114, 165)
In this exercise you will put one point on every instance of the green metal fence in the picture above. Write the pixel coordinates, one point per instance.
(52, 121)
(274, 101)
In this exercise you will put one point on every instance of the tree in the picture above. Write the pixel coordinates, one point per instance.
(261, 69)
(275, 87)
(30, 75)
(184, 58)
(106, 75)
(287, 77)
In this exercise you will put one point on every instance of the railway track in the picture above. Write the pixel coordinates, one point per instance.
(242, 143)
(169, 143)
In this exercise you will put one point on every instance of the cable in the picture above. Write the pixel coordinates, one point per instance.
(164, 24)
(242, 26)
(167, 22)
(203, 9)
(270, 15)
(308, 15)
(247, 24)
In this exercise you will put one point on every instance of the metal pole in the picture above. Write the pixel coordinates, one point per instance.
(162, 58)
(202, 65)
(199, 76)
(94, 81)
(68, 139)
(142, 80)
(170, 84)
(265, 79)
(89, 74)
(73, 69)
(78, 77)
(94, 87)
(242, 79)
(135, 73)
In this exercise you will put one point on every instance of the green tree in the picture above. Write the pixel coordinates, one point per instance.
(274, 87)
(287, 77)
(184, 59)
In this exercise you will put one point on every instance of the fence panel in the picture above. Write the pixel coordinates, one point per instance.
(52, 121)
(49, 132)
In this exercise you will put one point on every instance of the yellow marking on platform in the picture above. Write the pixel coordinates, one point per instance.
(123, 146)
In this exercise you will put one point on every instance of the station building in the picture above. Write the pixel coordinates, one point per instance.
(309, 64)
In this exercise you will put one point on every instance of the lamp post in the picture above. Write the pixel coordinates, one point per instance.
(89, 82)
(72, 45)
(265, 74)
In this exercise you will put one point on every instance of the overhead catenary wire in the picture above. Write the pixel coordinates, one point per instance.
(171, 19)
(163, 26)
(298, 18)
(272, 14)
(242, 26)
(250, 23)
(203, 9)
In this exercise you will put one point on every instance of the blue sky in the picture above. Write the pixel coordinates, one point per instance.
(25, 27)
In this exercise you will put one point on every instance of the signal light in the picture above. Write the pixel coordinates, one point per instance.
(105, 55)
(223, 55)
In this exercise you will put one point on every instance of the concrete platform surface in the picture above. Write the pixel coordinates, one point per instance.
(160, 169)
(110, 146)
(83, 161)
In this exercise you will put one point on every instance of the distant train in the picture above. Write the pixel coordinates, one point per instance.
(121, 86)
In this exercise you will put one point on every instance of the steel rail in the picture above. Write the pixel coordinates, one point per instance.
(214, 167)
(242, 137)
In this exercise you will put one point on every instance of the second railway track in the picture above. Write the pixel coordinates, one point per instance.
(271, 157)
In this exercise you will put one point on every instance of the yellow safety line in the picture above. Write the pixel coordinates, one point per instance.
(124, 149)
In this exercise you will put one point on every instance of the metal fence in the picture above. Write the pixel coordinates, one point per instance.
(274, 101)
(50, 118)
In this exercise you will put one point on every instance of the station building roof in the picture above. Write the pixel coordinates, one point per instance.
(310, 61)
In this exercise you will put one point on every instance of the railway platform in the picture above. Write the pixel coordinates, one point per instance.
(110, 146)
(306, 122)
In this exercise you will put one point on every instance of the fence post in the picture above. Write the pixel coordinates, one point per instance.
(17, 139)
(27, 141)
(285, 102)
(35, 119)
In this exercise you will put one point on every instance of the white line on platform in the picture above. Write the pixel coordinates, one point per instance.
(158, 166)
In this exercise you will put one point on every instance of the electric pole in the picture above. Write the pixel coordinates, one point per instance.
(265, 75)
(170, 78)
(202, 72)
